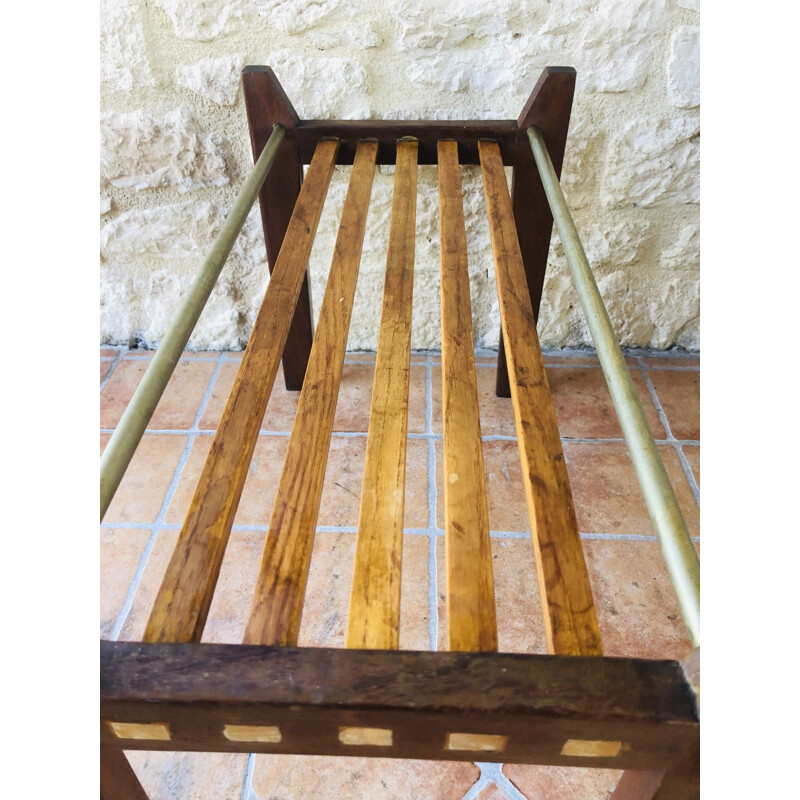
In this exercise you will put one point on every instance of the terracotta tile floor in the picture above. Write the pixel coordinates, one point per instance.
(636, 606)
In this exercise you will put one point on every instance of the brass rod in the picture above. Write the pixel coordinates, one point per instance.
(679, 554)
(132, 425)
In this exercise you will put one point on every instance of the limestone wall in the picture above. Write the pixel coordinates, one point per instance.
(175, 149)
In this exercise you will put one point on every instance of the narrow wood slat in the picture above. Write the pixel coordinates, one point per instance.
(374, 618)
(570, 620)
(471, 622)
(280, 589)
(182, 603)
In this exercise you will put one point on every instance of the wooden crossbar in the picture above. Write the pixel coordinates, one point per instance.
(278, 602)
(374, 618)
(181, 606)
(471, 622)
(570, 620)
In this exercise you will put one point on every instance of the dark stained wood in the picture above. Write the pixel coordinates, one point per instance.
(549, 107)
(682, 782)
(539, 702)
(118, 781)
(427, 132)
(267, 104)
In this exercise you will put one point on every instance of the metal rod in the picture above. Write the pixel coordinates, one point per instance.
(680, 556)
(131, 427)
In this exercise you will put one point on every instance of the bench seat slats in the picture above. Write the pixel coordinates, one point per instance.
(280, 590)
(471, 621)
(570, 620)
(182, 603)
(374, 618)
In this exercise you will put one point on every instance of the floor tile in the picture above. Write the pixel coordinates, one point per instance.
(636, 605)
(573, 360)
(583, 405)
(178, 405)
(505, 494)
(692, 453)
(679, 395)
(607, 494)
(281, 777)
(492, 792)
(574, 783)
(150, 583)
(120, 551)
(108, 352)
(189, 776)
(520, 624)
(105, 366)
(142, 490)
(686, 362)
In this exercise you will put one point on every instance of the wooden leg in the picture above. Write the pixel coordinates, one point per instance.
(548, 107)
(117, 780)
(682, 782)
(267, 104)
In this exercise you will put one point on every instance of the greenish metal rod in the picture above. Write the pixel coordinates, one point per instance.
(680, 556)
(131, 427)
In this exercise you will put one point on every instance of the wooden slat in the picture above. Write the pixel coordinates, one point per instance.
(471, 622)
(118, 781)
(570, 620)
(280, 589)
(538, 702)
(182, 603)
(374, 618)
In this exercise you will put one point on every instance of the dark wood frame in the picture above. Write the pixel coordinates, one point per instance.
(649, 707)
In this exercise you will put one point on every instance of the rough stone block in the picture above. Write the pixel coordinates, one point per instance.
(683, 67)
(215, 79)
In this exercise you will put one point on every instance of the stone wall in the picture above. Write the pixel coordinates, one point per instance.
(175, 149)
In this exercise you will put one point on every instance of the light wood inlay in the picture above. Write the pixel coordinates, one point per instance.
(376, 737)
(590, 748)
(570, 620)
(278, 601)
(181, 606)
(486, 742)
(156, 731)
(374, 618)
(471, 622)
(252, 733)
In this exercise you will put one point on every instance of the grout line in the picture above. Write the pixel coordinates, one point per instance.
(159, 524)
(247, 784)
(117, 358)
(494, 771)
(493, 437)
(433, 599)
(477, 788)
(687, 468)
(676, 444)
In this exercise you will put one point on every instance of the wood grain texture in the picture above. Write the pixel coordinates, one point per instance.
(538, 702)
(266, 104)
(278, 601)
(181, 606)
(374, 618)
(471, 622)
(549, 106)
(570, 620)
(118, 781)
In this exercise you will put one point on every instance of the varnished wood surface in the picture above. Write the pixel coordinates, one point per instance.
(387, 132)
(549, 107)
(278, 601)
(471, 622)
(374, 618)
(538, 702)
(267, 104)
(571, 624)
(181, 606)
